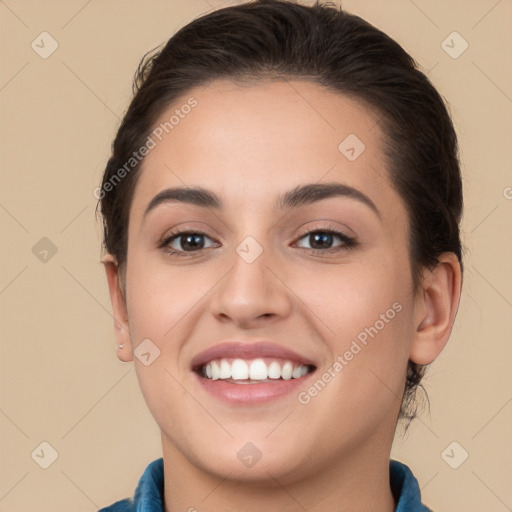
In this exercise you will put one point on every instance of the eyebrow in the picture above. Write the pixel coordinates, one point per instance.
(299, 196)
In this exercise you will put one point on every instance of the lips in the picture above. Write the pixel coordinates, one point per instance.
(269, 372)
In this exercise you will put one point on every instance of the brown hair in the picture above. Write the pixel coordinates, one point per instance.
(277, 39)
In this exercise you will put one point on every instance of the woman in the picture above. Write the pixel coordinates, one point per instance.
(281, 224)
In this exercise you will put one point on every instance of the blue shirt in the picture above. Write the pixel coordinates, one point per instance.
(149, 494)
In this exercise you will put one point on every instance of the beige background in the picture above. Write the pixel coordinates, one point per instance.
(60, 380)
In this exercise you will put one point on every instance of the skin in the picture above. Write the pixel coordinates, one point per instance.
(249, 144)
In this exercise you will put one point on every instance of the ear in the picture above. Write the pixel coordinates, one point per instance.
(121, 327)
(435, 310)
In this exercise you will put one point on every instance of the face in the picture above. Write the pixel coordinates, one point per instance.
(311, 292)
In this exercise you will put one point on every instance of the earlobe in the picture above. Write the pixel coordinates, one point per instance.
(436, 309)
(121, 327)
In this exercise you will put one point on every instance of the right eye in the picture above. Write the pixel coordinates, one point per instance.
(182, 242)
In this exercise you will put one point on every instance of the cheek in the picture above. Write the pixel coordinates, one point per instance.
(351, 299)
(160, 298)
(365, 311)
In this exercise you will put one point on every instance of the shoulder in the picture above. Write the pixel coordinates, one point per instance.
(405, 488)
(149, 493)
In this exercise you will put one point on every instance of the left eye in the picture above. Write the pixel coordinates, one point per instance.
(323, 239)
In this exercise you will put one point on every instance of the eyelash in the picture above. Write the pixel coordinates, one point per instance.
(347, 241)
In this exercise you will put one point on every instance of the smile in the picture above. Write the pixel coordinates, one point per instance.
(245, 373)
(240, 371)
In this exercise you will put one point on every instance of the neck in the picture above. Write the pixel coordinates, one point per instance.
(355, 481)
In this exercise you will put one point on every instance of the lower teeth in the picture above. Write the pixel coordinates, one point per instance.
(248, 381)
(245, 381)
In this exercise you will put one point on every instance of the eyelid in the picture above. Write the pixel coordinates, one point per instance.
(189, 227)
(327, 225)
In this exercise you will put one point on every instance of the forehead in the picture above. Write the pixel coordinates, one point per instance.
(258, 140)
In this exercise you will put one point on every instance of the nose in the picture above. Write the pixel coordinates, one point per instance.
(252, 294)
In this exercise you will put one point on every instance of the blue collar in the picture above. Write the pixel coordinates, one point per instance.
(149, 495)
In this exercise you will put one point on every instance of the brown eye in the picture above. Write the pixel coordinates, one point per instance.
(185, 242)
(322, 240)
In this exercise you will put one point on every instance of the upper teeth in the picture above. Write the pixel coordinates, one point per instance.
(256, 369)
